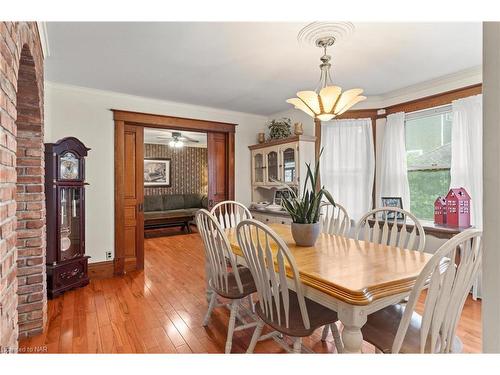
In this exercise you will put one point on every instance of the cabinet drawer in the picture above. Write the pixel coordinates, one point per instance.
(272, 219)
(68, 274)
(284, 220)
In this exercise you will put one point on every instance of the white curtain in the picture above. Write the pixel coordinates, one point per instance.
(393, 167)
(467, 152)
(467, 159)
(347, 164)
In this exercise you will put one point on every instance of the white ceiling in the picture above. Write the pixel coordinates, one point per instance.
(251, 67)
(151, 136)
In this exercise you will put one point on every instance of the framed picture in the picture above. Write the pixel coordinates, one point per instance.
(393, 202)
(157, 172)
(279, 194)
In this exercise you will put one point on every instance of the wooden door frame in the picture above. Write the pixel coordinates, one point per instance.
(147, 120)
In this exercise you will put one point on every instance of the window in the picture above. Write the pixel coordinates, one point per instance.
(428, 151)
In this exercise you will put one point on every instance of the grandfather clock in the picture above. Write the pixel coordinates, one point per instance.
(65, 205)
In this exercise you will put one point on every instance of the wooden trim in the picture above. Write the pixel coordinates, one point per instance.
(119, 261)
(171, 122)
(276, 142)
(357, 114)
(123, 118)
(139, 160)
(230, 166)
(101, 270)
(436, 100)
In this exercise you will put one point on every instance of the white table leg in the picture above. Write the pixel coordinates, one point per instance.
(353, 318)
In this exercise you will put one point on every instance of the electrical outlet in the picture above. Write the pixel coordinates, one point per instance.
(108, 255)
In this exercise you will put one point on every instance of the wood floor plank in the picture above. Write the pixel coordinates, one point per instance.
(161, 310)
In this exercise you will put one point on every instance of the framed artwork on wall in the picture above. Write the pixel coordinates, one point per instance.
(157, 172)
(393, 202)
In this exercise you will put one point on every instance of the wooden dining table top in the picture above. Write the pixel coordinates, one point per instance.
(355, 272)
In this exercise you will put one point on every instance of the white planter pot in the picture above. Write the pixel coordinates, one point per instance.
(306, 234)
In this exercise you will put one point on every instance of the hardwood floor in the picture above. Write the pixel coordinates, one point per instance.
(161, 310)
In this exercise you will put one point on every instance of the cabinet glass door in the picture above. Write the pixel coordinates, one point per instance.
(272, 166)
(289, 165)
(69, 227)
(258, 168)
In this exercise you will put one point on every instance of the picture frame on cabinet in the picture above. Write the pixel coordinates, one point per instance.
(392, 202)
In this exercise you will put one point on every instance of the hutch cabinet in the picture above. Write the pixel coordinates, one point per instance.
(280, 161)
(65, 205)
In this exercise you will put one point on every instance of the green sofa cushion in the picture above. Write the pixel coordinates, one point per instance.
(192, 200)
(153, 203)
(173, 202)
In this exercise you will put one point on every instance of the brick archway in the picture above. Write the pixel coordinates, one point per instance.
(30, 199)
(22, 207)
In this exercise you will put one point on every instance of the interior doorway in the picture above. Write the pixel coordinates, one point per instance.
(175, 180)
(131, 130)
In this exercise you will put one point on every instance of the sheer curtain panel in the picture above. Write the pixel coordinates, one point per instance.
(347, 166)
(393, 167)
(467, 152)
(467, 159)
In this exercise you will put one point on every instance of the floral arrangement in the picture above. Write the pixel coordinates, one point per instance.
(280, 128)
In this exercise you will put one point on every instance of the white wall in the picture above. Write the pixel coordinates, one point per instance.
(86, 114)
(491, 183)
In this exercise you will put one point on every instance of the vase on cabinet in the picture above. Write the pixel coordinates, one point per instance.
(298, 129)
(306, 234)
(261, 137)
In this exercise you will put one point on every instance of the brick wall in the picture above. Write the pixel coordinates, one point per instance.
(22, 207)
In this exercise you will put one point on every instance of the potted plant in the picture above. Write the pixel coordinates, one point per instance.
(305, 209)
(280, 128)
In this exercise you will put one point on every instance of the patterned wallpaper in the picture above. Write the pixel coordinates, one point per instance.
(189, 169)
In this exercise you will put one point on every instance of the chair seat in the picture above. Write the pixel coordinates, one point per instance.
(381, 327)
(318, 317)
(246, 281)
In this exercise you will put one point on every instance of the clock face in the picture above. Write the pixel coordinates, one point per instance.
(69, 167)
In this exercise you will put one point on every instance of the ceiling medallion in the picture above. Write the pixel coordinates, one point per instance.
(327, 101)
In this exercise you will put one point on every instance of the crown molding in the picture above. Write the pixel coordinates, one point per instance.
(454, 81)
(44, 38)
(211, 112)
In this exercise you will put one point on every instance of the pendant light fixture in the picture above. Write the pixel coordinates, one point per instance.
(327, 101)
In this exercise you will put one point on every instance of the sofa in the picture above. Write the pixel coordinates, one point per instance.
(172, 209)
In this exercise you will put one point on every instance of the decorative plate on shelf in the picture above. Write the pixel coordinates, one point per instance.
(274, 207)
(261, 205)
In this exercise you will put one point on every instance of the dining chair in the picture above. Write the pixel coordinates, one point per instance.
(391, 226)
(230, 213)
(399, 329)
(285, 310)
(227, 279)
(334, 219)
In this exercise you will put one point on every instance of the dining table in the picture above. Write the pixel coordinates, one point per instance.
(352, 277)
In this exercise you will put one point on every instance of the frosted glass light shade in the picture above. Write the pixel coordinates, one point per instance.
(329, 103)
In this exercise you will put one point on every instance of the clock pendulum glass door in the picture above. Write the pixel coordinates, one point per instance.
(70, 222)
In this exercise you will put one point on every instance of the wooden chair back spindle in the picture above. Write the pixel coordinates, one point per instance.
(268, 258)
(218, 252)
(386, 231)
(335, 219)
(448, 283)
(230, 213)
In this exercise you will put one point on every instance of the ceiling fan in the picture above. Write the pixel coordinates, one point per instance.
(177, 140)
